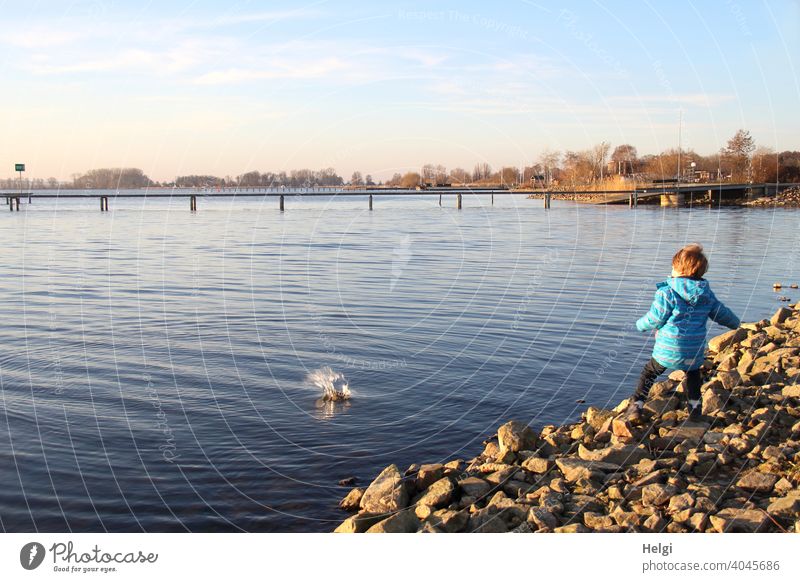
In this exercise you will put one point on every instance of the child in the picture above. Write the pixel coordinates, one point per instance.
(679, 312)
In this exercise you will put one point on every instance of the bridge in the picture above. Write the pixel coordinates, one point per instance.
(667, 194)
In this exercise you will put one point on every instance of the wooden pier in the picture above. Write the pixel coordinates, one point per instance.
(666, 195)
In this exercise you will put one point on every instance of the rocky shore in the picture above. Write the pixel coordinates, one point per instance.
(788, 199)
(737, 471)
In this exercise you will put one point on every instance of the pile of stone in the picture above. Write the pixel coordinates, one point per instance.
(788, 198)
(737, 471)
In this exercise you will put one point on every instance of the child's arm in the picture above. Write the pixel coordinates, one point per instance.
(723, 315)
(659, 312)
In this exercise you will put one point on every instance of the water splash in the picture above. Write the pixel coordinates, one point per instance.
(334, 385)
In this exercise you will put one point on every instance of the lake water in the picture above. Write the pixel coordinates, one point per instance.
(154, 361)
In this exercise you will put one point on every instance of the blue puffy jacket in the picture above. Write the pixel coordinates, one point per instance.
(679, 312)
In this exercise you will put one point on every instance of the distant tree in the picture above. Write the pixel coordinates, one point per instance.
(736, 155)
(765, 165)
(395, 180)
(548, 161)
(482, 171)
(52, 183)
(410, 180)
(624, 157)
(509, 176)
(599, 156)
(369, 180)
(460, 176)
(789, 166)
(357, 179)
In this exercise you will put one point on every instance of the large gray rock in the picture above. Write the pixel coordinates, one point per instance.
(401, 522)
(428, 474)
(616, 454)
(359, 523)
(792, 391)
(781, 315)
(719, 343)
(516, 436)
(450, 520)
(537, 465)
(574, 469)
(734, 519)
(657, 494)
(438, 494)
(386, 494)
(758, 482)
(714, 400)
(352, 500)
(786, 507)
(474, 487)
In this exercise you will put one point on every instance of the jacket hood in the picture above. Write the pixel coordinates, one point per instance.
(690, 290)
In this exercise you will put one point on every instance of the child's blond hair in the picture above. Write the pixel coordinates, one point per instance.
(690, 261)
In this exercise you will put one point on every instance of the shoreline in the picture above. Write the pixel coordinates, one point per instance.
(737, 472)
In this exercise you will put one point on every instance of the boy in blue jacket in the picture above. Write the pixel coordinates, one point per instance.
(682, 305)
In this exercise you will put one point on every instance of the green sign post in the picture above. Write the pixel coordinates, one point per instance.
(20, 168)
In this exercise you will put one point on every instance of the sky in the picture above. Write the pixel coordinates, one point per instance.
(200, 87)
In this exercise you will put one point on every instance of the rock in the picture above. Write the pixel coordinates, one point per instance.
(677, 375)
(537, 465)
(597, 416)
(486, 521)
(438, 494)
(785, 507)
(655, 523)
(781, 315)
(732, 519)
(656, 494)
(450, 520)
(621, 428)
(474, 487)
(574, 469)
(792, 391)
(757, 482)
(571, 528)
(542, 518)
(401, 522)
(423, 512)
(783, 486)
(681, 502)
(658, 406)
(427, 475)
(616, 454)
(698, 521)
(729, 379)
(719, 343)
(714, 400)
(352, 500)
(597, 520)
(516, 436)
(359, 523)
(386, 494)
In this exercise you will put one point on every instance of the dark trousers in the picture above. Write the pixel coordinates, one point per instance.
(652, 370)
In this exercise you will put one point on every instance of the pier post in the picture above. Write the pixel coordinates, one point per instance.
(193, 203)
(633, 199)
(370, 201)
(281, 203)
(458, 201)
(103, 203)
(440, 199)
(492, 198)
(547, 199)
